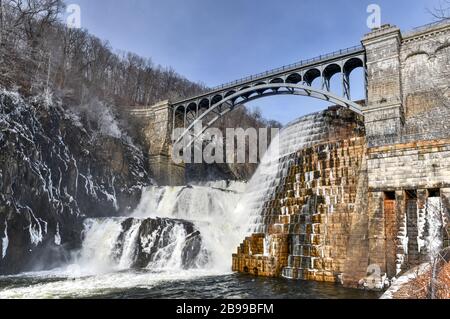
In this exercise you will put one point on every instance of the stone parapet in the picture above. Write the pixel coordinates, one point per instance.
(416, 165)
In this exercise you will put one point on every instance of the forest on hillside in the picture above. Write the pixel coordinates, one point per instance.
(41, 56)
(40, 53)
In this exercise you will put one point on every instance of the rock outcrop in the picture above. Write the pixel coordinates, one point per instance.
(54, 172)
(157, 241)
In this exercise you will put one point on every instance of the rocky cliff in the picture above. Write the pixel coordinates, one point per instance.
(56, 170)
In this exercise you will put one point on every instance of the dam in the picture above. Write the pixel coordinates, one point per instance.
(355, 194)
(374, 172)
(366, 198)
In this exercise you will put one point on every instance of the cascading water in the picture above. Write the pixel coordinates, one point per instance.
(194, 227)
(275, 164)
(212, 209)
(176, 234)
(178, 237)
(218, 211)
(117, 244)
(174, 228)
(433, 241)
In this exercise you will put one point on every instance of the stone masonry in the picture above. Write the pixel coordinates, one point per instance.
(407, 124)
(156, 125)
(359, 208)
(376, 205)
(309, 219)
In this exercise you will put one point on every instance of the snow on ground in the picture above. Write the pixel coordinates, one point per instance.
(404, 280)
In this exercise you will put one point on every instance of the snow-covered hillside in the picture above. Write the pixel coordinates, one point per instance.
(54, 171)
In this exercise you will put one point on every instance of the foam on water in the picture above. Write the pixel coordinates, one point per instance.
(55, 284)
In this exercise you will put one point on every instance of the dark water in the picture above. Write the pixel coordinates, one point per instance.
(210, 287)
(242, 287)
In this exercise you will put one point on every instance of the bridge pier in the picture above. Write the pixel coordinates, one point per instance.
(156, 129)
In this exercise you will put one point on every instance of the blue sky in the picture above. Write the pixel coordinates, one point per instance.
(216, 41)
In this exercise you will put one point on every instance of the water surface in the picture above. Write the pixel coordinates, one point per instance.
(148, 285)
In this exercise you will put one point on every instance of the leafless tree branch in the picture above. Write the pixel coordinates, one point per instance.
(442, 11)
(35, 16)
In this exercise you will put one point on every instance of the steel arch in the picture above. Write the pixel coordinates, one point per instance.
(292, 89)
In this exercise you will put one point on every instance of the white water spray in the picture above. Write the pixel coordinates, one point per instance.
(274, 166)
(5, 241)
(212, 209)
(99, 243)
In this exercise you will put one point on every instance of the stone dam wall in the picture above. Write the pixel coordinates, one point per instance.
(308, 221)
(374, 200)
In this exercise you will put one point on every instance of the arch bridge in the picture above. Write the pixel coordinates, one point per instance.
(161, 120)
(294, 79)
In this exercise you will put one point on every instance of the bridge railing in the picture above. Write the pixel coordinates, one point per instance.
(290, 67)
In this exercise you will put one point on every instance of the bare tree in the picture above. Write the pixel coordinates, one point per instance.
(83, 67)
(442, 12)
(35, 16)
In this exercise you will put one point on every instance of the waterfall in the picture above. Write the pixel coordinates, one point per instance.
(98, 245)
(212, 209)
(433, 240)
(199, 226)
(157, 244)
(275, 164)
(173, 228)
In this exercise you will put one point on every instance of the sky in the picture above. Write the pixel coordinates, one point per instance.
(217, 41)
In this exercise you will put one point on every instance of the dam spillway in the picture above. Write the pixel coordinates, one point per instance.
(309, 195)
(311, 201)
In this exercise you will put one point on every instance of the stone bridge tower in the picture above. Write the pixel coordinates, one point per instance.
(384, 115)
(155, 124)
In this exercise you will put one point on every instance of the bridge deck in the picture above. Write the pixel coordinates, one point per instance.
(308, 63)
